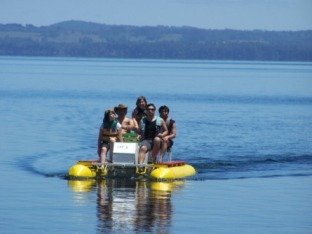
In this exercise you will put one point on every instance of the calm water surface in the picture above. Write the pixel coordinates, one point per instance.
(245, 126)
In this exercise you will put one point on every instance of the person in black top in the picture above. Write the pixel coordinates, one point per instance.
(167, 141)
(152, 129)
(139, 111)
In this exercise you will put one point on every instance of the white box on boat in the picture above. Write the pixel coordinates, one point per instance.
(125, 152)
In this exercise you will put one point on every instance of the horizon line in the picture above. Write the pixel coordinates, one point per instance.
(160, 25)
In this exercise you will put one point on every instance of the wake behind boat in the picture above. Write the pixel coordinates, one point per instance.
(124, 163)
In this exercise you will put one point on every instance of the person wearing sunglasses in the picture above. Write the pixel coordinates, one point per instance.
(152, 129)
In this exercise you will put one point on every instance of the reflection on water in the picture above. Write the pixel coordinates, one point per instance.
(80, 188)
(124, 205)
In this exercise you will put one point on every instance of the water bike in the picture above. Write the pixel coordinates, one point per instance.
(124, 164)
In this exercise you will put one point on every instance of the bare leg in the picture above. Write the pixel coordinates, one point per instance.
(111, 151)
(111, 148)
(142, 153)
(103, 154)
(164, 147)
(156, 148)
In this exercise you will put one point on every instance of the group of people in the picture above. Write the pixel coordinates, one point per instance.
(154, 133)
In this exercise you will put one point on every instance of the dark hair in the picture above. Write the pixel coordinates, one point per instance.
(139, 99)
(150, 104)
(109, 124)
(164, 107)
(106, 115)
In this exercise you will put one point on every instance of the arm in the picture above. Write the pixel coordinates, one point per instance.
(131, 125)
(164, 130)
(119, 136)
(119, 133)
(135, 126)
(173, 133)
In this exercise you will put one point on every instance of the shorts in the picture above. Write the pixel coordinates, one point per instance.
(105, 144)
(170, 144)
(147, 143)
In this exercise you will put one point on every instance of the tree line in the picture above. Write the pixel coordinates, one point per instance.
(84, 39)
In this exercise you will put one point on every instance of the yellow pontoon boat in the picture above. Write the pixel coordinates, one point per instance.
(125, 164)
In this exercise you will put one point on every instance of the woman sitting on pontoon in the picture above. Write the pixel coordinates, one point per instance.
(110, 132)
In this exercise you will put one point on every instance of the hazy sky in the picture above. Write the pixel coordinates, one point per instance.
(212, 14)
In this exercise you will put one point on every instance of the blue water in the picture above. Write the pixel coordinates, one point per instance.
(245, 126)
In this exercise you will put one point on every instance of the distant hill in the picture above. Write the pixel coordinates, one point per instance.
(84, 39)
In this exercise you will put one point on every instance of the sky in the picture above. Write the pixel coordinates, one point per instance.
(209, 14)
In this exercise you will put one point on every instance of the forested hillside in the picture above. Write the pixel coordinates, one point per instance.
(83, 39)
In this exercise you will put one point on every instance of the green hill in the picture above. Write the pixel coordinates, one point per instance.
(84, 39)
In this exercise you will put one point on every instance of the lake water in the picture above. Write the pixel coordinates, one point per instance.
(245, 126)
